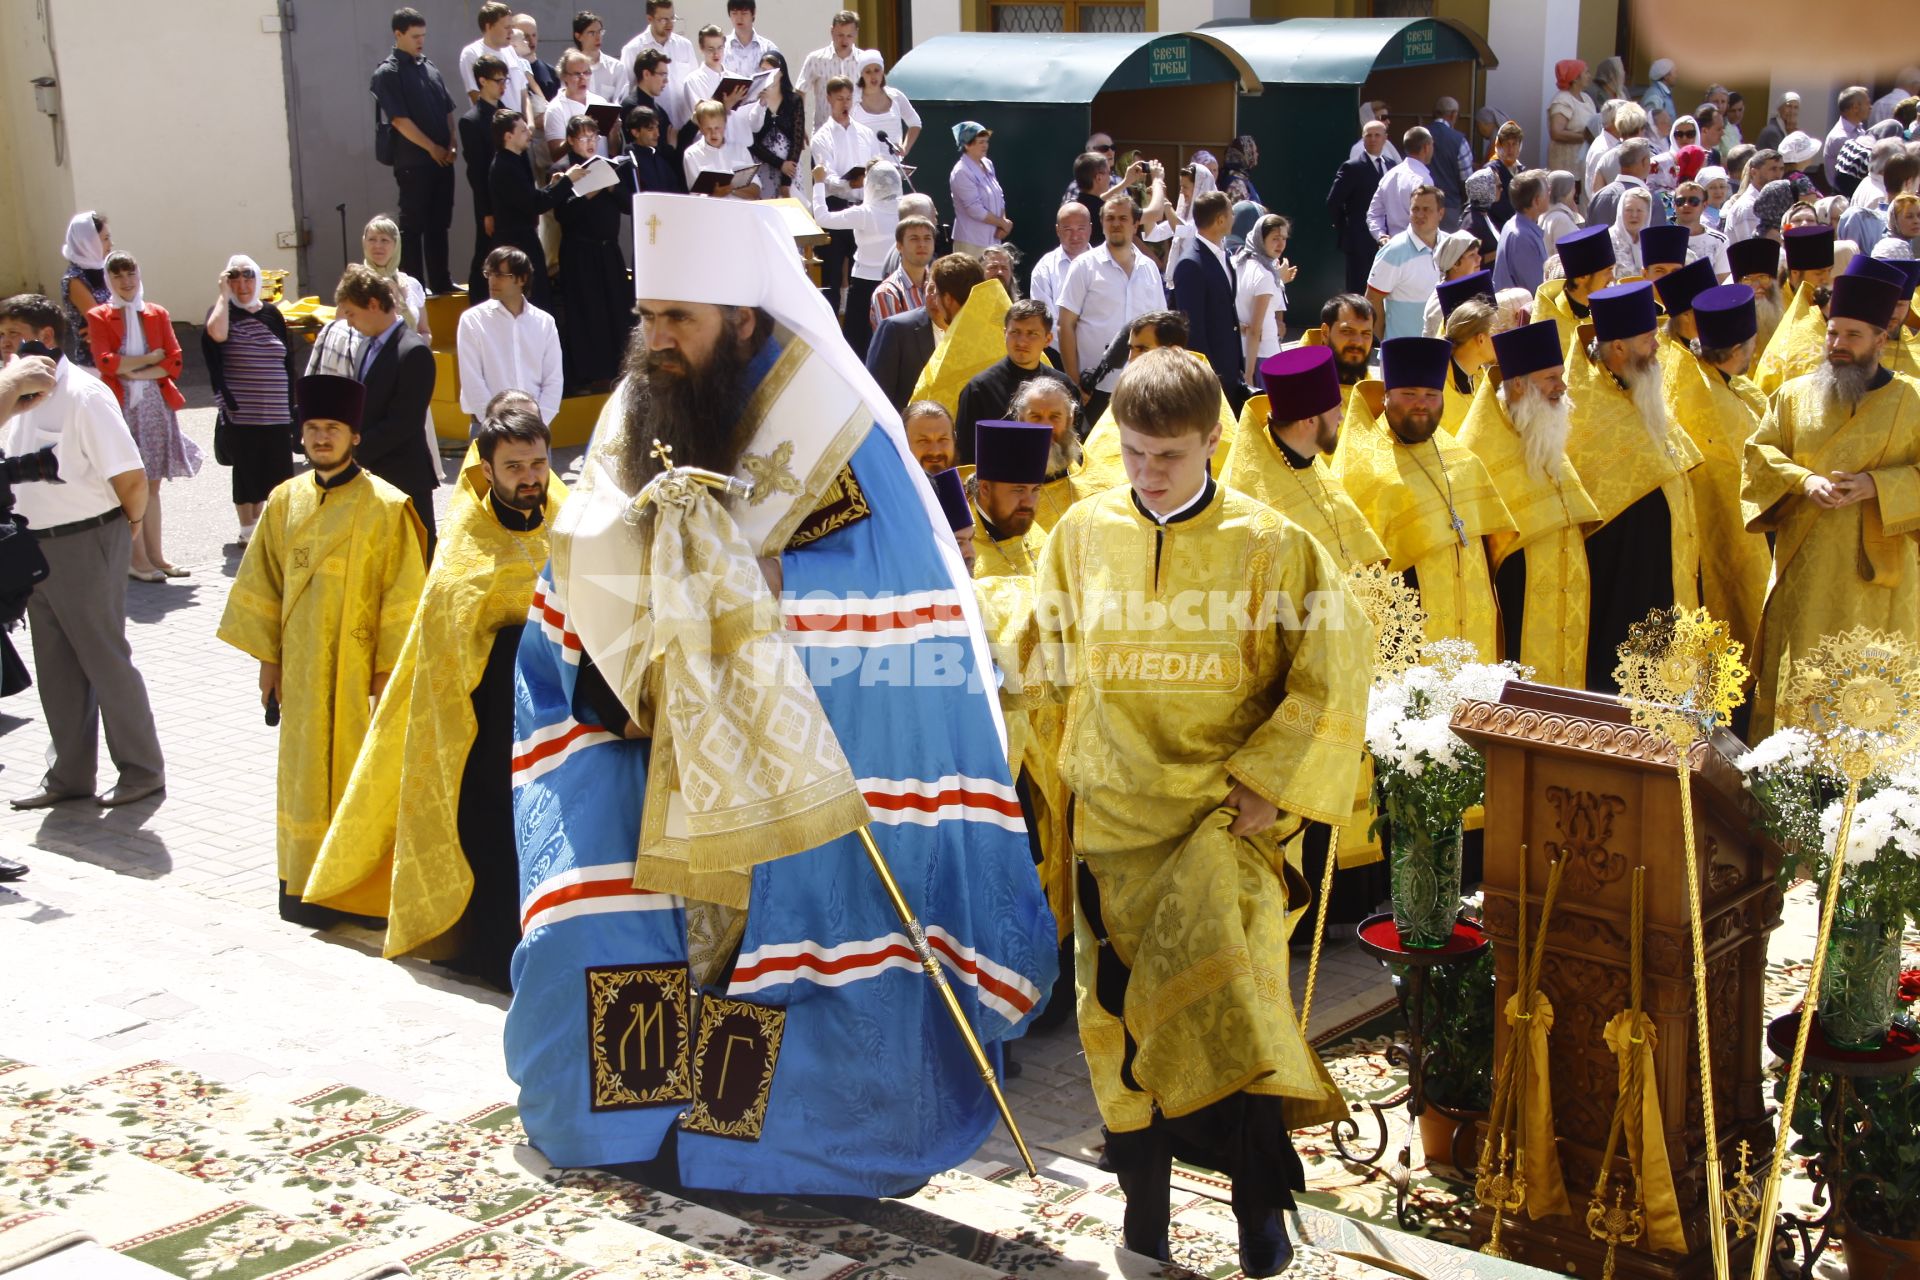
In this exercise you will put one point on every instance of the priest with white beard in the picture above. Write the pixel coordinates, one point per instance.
(1518, 426)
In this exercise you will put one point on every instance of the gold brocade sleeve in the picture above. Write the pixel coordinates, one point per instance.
(1898, 490)
(252, 619)
(1796, 345)
(1306, 758)
(975, 342)
(1768, 473)
(406, 578)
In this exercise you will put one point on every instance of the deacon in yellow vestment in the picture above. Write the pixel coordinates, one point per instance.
(975, 340)
(1719, 409)
(1518, 428)
(1425, 494)
(409, 841)
(1847, 434)
(1216, 669)
(1799, 344)
(1645, 554)
(324, 599)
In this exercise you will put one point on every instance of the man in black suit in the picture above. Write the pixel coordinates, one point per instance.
(903, 344)
(476, 145)
(650, 74)
(1200, 286)
(398, 372)
(412, 101)
(1347, 203)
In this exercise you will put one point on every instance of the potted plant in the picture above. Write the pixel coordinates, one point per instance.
(1880, 885)
(1425, 779)
(1459, 1018)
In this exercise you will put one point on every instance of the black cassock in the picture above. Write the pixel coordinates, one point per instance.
(596, 300)
(489, 928)
(1630, 562)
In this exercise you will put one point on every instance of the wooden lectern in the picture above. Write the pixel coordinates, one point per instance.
(1569, 776)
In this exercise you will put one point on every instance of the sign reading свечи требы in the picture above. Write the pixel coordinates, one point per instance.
(1170, 62)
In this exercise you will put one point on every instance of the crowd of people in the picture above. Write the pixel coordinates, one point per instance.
(1671, 368)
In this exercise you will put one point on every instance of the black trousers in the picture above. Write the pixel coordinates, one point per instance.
(835, 255)
(1359, 264)
(856, 324)
(477, 291)
(426, 215)
(1236, 392)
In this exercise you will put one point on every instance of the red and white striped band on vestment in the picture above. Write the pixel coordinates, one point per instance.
(956, 797)
(589, 891)
(549, 611)
(1001, 989)
(550, 746)
(870, 623)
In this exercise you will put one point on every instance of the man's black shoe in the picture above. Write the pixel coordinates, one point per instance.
(1265, 1248)
(11, 870)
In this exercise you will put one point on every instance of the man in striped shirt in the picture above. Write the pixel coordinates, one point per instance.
(907, 287)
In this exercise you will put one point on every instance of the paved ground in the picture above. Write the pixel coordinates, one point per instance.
(179, 952)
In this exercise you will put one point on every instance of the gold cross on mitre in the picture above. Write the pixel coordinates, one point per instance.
(653, 229)
(662, 451)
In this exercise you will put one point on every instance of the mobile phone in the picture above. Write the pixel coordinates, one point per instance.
(273, 710)
(35, 347)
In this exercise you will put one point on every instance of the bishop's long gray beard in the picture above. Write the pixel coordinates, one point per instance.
(696, 412)
(1643, 387)
(1543, 428)
(1841, 386)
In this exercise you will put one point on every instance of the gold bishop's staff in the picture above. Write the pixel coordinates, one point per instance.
(916, 933)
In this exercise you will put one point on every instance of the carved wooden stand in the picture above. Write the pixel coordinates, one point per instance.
(1569, 776)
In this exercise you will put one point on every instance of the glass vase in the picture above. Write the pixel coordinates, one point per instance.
(1860, 984)
(1425, 872)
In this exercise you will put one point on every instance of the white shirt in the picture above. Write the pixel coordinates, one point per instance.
(1106, 300)
(1256, 281)
(517, 72)
(821, 66)
(1392, 205)
(894, 122)
(1711, 245)
(1388, 152)
(744, 59)
(500, 351)
(1739, 220)
(612, 79)
(81, 420)
(685, 59)
(840, 147)
(1048, 275)
(563, 109)
(730, 157)
(872, 229)
(1603, 146)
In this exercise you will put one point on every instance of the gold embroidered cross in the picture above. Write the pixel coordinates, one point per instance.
(300, 557)
(364, 636)
(662, 452)
(653, 229)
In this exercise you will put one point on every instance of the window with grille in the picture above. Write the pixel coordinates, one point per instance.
(1070, 15)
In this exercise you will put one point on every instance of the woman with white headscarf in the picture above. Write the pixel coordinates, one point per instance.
(84, 286)
(1633, 213)
(872, 222)
(1455, 254)
(1561, 217)
(882, 108)
(1261, 274)
(248, 360)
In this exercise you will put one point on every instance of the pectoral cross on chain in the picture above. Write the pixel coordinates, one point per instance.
(1459, 528)
(653, 229)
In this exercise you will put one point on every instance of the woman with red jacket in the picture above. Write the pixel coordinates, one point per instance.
(137, 354)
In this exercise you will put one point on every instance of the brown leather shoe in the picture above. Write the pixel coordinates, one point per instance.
(46, 799)
(124, 794)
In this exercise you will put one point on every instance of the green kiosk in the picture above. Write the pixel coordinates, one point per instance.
(1314, 73)
(1165, 95)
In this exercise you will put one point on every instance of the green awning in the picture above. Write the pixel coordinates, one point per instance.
(983, 66)
(1347, 50)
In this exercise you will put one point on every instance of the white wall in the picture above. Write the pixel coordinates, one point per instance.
(184, 145)
(935, 18)
(1529, 36)
(797, 26)
(1184, 15)
(36, 195)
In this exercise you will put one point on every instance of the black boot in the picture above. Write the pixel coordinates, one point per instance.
(1265, 1247)
(1143, 1164)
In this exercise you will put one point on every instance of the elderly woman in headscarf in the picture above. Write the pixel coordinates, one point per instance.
(1243, 157)
(1630, 217)
(872, 222)
(1455, 254)
(1568, 115)
(84, 286)
(1561, 218)
(1658, 95)
(380, 249)
(1246, 215)
(1719, 188)
(979, 205)
(1483, 192)
(1770, 208)
(249, 361)
(1610, 79)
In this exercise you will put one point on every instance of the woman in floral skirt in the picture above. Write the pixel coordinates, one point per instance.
(138, 356)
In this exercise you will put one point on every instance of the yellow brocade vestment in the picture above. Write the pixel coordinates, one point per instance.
(394, 847)
(1796, 346)
(1410, 495)
(1720, 415)
(1552, 518)
(1168, 707)
(1059, 493)
(1619, 463)
(975, 342)
(1455, 403)
(327, 590)
(1550, 302)
(1902, 353)
(1851, 566)
(1308, 496)
(1003, 575)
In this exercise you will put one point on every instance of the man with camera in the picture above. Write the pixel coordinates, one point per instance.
(78, 612)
